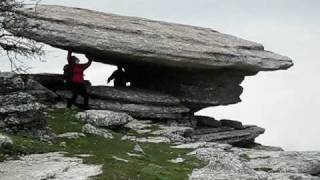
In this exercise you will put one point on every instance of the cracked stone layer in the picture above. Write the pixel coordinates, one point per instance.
(138, 40)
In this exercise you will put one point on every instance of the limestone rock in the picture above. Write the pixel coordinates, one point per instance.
(90, 129)
(177, 160)
(104, 118)
(153, 106)
(20, 111)
(137, 40)
(48, 166)
(153, 139)
(180, 130)
(241, 138)
(138, 125)
(137, 148)
(239, 163)
(231, 123)
(207, 121)
(198, 145)
(133, 96)
(71, 135)
(5, 141)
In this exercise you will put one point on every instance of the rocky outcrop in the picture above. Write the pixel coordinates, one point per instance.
(48, 166)
(199, 66)
(22, 105)
(104, 118)
(152, 105)
(90, 129)
(241, 138)
(132, 40)
(226, 162)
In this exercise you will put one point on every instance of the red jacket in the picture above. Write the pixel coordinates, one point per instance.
(78, 69)
(78, 75)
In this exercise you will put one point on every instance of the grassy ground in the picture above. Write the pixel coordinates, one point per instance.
(153, 165)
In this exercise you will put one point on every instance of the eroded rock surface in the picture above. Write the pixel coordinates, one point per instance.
(199, 66)
(22, 106)
(90, 129)
(104, 118)
(240, 163)
(48, 166)
(5, 141)
(139, 40)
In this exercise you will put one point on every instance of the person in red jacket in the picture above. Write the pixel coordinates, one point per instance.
(77, 83)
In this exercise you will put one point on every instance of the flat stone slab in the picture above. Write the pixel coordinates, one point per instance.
(115, 39)
(48, 166)
(240, 163)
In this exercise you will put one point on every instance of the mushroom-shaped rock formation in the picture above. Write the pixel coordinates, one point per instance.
(199, 66)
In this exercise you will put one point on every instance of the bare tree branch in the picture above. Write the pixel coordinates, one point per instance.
(15, 46)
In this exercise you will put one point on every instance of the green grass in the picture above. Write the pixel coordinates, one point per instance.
(153, 165)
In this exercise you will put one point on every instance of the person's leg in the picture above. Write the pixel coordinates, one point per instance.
(75, 93)
(85, 96)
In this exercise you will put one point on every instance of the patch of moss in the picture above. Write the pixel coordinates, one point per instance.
(2, 157)
(245, 156)
(153, 165)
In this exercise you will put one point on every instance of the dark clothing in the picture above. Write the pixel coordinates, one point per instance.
(77, 84)
(120, 78)
(78, 89)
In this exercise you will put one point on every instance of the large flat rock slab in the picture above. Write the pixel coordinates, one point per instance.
(115, 39)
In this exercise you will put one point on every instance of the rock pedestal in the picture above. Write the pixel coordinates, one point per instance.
(199, 66)
(174, 70)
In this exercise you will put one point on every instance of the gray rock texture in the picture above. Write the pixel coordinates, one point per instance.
(48, 166)
(239, 163)
(103, 118)
(205, 121)
(138, 40)
(199, 66)
(5, 141)
(241, 138)
(231, 123)
(71, 135)
(90, 129)
(23, 104)
(138, 103)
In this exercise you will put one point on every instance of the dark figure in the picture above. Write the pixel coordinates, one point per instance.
(77, 83)
(119, 76)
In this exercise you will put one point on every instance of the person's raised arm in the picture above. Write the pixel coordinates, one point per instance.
(69, 56)
(113, 75)
(88, 63)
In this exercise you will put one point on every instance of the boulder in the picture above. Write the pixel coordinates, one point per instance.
(5, 141)
(90, 129)
(104, 118)
(133, 40)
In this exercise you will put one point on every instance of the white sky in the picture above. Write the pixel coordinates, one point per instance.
(286, 103)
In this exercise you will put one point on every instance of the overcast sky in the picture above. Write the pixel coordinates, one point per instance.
(286, 103)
